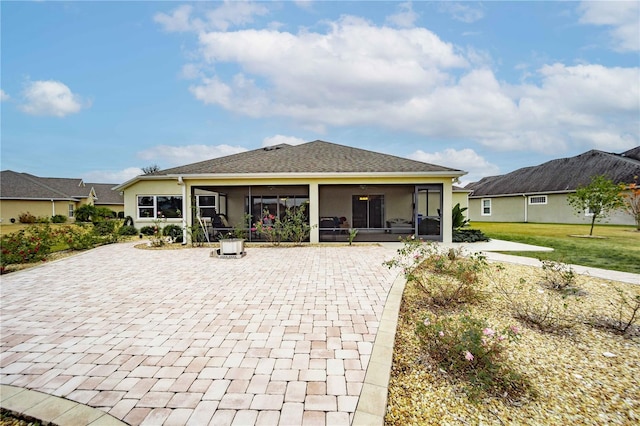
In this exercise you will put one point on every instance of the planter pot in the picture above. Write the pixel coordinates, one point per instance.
(232, 246)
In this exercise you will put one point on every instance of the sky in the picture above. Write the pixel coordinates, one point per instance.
(99, 90)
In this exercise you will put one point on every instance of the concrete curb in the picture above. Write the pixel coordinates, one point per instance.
(372, 404)
(50, 409)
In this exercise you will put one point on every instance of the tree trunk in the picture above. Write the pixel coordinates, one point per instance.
(593, 221)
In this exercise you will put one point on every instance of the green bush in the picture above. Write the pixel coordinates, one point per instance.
(105, 228)
(470, 349)
(80, 238)
(148, 230)
(84, 213)
(468, 236)
(59, 218)
(128, 230)
(173, 231)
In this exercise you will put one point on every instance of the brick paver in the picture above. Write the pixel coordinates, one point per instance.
(283, 335)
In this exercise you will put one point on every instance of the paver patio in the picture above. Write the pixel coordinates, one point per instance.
(283, 335)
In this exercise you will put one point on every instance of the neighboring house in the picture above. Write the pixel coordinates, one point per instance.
(539, 193)
(343, 187)
(46, 197)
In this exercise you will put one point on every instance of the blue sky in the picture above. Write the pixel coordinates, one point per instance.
(98, 90)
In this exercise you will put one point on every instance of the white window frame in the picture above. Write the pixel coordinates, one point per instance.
(542, 198)
(588, 212)
(71, 209)
(482, 207)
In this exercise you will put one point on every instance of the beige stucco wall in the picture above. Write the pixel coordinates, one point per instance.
(45, 208)
(461, 198)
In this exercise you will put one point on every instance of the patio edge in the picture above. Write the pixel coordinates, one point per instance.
(50, 409)
(372, 403)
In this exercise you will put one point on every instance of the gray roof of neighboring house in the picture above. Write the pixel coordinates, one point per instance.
(106, 195)
(564, 174)
(24, 186)
(310, 157)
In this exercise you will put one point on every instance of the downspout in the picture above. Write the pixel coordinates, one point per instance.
(184, 210)
(53, 208)
(526, 212)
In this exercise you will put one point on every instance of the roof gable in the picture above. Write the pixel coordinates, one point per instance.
(564, 174)
(311, 157)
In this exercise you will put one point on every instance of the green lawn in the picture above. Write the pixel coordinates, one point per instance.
(614, 247)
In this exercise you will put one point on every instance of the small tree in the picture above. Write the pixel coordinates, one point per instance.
(600, 197)
(150, 169)
(632, 200)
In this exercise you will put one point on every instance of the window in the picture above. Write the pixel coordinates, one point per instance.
(159, 206)
(486, 207)
(538, 199)
(206, 205)
(71, 209)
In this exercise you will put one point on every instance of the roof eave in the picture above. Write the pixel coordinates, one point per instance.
(263, 176)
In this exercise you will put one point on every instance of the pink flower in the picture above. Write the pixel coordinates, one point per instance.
(441, 334)
(427, 322)
(488, 332)
(468, 356)
(514, 329)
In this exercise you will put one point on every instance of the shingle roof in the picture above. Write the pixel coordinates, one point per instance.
(311, 157)
(564, 174)
(15, 185)
(24, 186)
(106, 195)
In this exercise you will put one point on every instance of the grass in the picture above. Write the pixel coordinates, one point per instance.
(614, 247)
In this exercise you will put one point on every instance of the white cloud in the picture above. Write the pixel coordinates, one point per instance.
(4, 96)
(169, 156)
(620, 16)
(50, 98)
(228, 14)
(357, 74)
(278, 139)
(462, 12)
(112, 176)
(405, 18)
(465, 159)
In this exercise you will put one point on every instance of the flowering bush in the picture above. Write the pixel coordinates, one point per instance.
(471, 349)
(23, 247)
(447, 278)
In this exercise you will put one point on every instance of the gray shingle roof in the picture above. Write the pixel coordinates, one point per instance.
(564, 174)
(106, 195)
(15, 185)
(24, 186)
(311, 157)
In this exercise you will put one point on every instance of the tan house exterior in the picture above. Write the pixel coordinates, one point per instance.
(383, 196)
(46, 197)
(539, 194)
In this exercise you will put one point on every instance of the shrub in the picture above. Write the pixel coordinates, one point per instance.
(24, 247)
(469, 348)
(103, 213)
(104, 228)
(59, 218)
(468, 236)
(558, 275)
(173, 231)
(84, 213)
(128, 230)
(80, 238)
(148, 230)
(624, 315)
(447, 279)
(27, 218)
